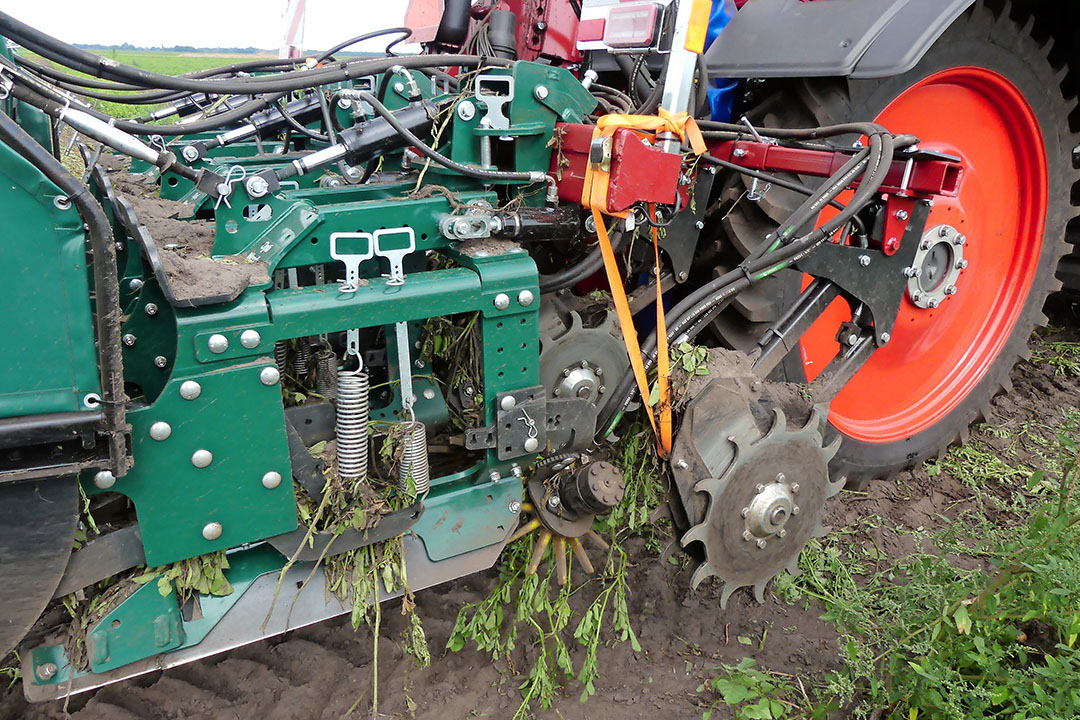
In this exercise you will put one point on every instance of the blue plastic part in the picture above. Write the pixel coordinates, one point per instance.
(721, 91)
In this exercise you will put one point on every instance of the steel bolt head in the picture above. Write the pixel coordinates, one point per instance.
(864, 260)
(45, 671)
(744, 512)
(217, 343)
(516, 471)
(739, 152)
(759, 488)
(508, 402)
(466, 110)
(554, 502)
(502, 301)
(494, 476)
(525, 298)
(250, 338)
(271, 480)
(960, 239)
(950, 290)
(541, 92)
(212, 531)
(781, 533)
(682, 464)
(160, 431)
(760, 544)
(746, 535)
(852, 339)
(189, 389)
(531, 444)
(795, 510)
(885, 338)
(933, 302)
(135, 285)
(190, 153)
(161, 361)
(129, 340)
(794, 487)
(901, 215)
(961, 264)
(429, 394)
(699, 225)
(399, 87)
(269, 375)
(257, 186)
(781, 477)
(151, 309)
(103, 479)
(514, 506)
(202, 458)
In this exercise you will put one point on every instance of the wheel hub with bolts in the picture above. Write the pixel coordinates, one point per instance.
(769, 510)
(937, 266)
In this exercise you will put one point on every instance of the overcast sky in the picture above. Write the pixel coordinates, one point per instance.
(203, 23)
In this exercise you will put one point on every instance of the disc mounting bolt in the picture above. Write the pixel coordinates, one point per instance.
(760, 544)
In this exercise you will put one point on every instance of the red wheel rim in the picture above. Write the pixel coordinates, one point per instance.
(936, 357)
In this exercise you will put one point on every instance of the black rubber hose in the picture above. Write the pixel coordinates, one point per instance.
(626, 64)
(436, 156)
(589, 266)
(295, 124)
(97, 66)
(106, 285)
(405, 33)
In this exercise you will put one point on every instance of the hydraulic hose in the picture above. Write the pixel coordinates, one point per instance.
(430, 152)
(590, 265)
(106, 285)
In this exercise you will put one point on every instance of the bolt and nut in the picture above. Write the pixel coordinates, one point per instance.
(190, 153)
(901, 215)
(466, 110)
(554, 502)
(45, 671)
(257, 186)
(151, 309)
(514, 506)
(103, 479)
(760, 544)
(864, 260)
(160, 362)
(129, 340)
(541, 92)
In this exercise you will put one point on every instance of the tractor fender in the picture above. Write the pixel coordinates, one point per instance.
(857, 38)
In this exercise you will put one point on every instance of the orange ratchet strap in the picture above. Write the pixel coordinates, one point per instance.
(594, 196)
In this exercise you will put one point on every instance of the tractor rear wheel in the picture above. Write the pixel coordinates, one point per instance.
(988, 93)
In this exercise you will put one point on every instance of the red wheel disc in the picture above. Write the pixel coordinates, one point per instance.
(936, 357)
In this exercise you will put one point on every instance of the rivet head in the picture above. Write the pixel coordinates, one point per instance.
(45, 671)
(525, 298)
(250, 338)
(189, 389)
(429, 394)
(508, 402)
(502, 301)
(151, 309)
(202, 458)
(269, 375)
(271, 480)
(212, 531)
(217, 343)
(160, 430)
(135, 285)
(531, 444)
(104, 479)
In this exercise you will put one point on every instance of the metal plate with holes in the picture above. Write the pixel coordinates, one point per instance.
(520, 426)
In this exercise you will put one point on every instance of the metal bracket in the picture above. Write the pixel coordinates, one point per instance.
(496, 92)
(352, 261)
(521, 425)
(396, 256)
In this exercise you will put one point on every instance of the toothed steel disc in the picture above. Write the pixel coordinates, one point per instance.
(764, 506)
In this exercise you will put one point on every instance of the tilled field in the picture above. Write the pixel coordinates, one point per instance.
(325, 671)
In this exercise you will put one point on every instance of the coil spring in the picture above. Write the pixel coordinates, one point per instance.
(351, 428)
(281, 356)
(414, 461)
(302, 357)
(326, 377)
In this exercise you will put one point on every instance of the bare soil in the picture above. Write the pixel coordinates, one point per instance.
(323, 670)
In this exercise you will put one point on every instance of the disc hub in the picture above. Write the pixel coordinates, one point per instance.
(769, 510)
